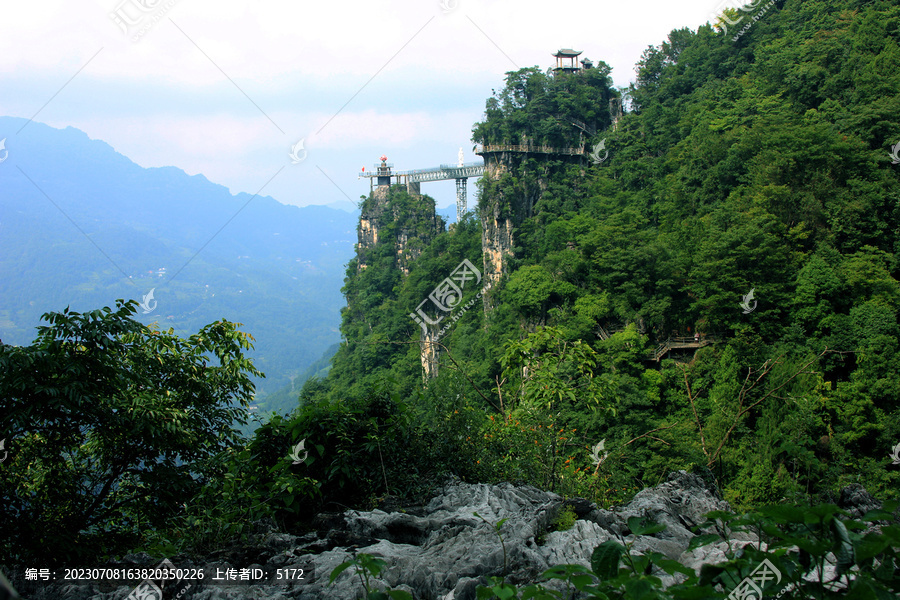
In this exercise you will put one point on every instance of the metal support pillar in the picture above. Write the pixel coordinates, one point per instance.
(460, 199)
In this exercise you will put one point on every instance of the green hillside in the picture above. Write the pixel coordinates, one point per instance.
(758, 164)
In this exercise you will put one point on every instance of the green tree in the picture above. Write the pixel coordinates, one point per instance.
(108, 424)
(555, 380)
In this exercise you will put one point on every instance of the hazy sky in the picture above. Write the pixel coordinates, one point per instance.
(226, 88)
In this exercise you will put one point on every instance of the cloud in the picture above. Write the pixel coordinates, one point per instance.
(367, 127)
(225, 88)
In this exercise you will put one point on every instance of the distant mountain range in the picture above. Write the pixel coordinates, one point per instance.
(82, 225)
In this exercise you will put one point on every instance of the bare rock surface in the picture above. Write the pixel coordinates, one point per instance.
(443, 551)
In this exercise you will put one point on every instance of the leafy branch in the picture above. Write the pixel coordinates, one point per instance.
(751, 381)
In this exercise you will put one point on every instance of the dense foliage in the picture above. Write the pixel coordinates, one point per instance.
(110, 428)
(554, 111)
(759, 163)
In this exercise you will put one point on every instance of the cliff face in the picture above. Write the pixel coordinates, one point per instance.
(398, 223)
(395, 226)
(429, 354)
(511, 188)
(391, 215)
(496, 229)
(367, 234)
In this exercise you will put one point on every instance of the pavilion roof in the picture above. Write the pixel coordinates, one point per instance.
(567, 52)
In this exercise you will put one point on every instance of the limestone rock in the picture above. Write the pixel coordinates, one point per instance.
(443, 551)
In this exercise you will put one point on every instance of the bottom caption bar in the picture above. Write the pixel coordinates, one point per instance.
(170, 582)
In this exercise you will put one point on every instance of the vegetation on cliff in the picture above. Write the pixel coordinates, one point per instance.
(758, 164)
(547, 110)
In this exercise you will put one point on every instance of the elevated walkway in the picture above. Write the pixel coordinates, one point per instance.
(440, 173)
(384, 176)
(676, 343)
(528, 149)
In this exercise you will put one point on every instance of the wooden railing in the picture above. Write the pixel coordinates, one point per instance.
(675, 343)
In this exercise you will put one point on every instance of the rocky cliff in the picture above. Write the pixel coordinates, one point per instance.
(406, 221)
(512, 186)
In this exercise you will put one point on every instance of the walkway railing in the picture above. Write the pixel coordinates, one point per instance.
(528, 148)
(433, 174)
(444, 172)
(675, 343)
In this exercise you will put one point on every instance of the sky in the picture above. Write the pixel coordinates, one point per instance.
(228, 89)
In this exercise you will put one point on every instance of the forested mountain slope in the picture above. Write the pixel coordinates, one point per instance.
(758, 163)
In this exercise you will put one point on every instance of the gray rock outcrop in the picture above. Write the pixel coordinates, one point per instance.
(443, 551)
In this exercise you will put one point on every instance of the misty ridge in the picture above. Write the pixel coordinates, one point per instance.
(275, 267)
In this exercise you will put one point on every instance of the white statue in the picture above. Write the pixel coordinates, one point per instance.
(460, 157)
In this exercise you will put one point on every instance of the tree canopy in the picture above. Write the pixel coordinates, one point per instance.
(109, 424)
